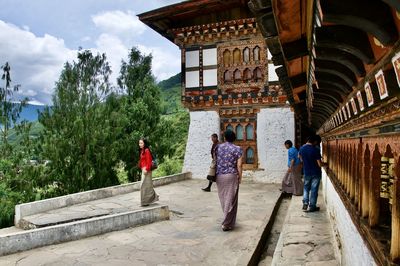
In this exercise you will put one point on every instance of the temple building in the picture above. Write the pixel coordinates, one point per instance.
(228, 82)
(337, 73)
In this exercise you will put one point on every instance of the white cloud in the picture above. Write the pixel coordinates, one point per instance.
(165, 64)
(119, 23)
(36, 62)
(115, 51)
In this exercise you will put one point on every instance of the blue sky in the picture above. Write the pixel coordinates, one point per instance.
(38, 36)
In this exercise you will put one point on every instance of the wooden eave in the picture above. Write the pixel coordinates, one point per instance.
(338, 47)
(194, 12)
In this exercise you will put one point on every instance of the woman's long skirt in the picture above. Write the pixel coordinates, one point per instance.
(228, 192)
(147, 193)
(292, 182)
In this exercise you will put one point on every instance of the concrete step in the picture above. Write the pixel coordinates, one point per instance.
(34, 210)
(306, 238)
(97, 208)
(16, 241)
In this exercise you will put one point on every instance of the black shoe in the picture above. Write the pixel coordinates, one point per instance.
(315, 209)
(207, 189)
(305, 207)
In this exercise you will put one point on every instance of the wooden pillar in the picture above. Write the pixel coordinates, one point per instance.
(347, 169)
(341, 156)
(375, 187)
(359, 164)
(352, 172)
(395, 242)
(365, 182)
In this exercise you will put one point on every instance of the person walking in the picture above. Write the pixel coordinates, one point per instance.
(147, 193)
(229, 176)
(215, 142)
(291, 182)
(311, 158)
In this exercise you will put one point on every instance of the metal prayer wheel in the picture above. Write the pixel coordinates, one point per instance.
(385, 179)
(391, 176)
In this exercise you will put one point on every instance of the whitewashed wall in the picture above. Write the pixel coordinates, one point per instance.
(274, 126)
(197, 157)
(353, 251)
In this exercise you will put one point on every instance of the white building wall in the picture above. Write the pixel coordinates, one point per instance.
(274, 126)
(197, 156)
(353, 251)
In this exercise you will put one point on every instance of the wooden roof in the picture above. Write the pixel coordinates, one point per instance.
(194, 12)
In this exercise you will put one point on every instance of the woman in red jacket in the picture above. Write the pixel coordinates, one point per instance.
(147, 193)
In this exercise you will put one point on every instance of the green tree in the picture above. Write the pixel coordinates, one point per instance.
(9, 109)
(140, 109)
(79, 129)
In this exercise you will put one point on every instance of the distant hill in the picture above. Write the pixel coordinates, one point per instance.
(30, 112)
(174, 81)
(171, 94)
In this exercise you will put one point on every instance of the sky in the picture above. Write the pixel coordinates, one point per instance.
(37, 37)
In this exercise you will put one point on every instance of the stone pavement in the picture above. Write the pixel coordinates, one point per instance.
(306, 238)
(192, 236)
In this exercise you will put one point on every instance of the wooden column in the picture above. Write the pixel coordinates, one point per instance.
(395, 242)
(365, 183)
(347, 169)
(359, 163)
(374, 191)
(352, 172)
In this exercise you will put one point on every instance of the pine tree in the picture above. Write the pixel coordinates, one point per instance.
(79, 136)
(140, 107)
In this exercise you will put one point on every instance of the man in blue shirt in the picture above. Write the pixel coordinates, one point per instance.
(311, 158)
(291, 183)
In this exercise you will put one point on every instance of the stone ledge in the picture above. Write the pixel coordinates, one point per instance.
(255, 247)
(31, 208)
(25, 240)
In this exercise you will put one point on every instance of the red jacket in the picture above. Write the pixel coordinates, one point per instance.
(145, 160)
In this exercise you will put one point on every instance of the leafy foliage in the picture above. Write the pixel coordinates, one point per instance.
(78, 135)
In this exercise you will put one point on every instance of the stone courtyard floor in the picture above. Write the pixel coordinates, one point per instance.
(192, 236)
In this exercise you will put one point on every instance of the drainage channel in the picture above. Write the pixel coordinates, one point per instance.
(273, 237)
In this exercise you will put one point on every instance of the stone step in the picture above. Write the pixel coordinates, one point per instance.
(34, 210)
(306, 238)
(16, 241)
(91, 209)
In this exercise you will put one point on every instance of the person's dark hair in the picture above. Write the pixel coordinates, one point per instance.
(146, 144)
(289, 143)
(313, 139)
(214, 135)
(230, 136)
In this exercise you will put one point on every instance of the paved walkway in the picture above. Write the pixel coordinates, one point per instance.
(192, 237)
(306, 238)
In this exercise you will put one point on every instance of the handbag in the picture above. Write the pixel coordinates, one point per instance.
(154, 162)
(211, 172)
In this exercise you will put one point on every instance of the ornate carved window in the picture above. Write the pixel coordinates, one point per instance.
(230, 127)
(247, 75)
(239, 132)
(246, 55)
(236, 56)
(237, 76)
(227, 57)
(256, 54)
(249, 132)
(257, 75)
(227, 77)
(249, 156)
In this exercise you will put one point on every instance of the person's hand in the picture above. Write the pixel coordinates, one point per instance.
(289, 170)
(144, 171)
(240, 179)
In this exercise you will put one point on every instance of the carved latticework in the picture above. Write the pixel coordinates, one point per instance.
(242, 66)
